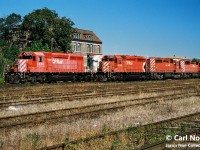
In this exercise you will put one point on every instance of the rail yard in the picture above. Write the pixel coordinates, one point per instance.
(96, 114)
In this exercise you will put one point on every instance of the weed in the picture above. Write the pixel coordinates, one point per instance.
(32, 141)
(2, 80)
(105, 129)
(35, 138)
(115, 144)
(67, 144)
(1, 144)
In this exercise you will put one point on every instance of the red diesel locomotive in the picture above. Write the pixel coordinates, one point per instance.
(45, 66)
(172, 68)
(49, 67)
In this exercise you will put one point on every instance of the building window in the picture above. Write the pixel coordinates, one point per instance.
(89, 37)
(98, 49)
(78, 47)
(76, 36)
(75, 47)
(90, 48)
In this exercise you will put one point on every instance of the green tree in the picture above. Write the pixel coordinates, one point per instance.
(7, 56)
(37, 46)
(48, 28)
(9, 25)
(2, 62)
(196, 60)
(46, 32)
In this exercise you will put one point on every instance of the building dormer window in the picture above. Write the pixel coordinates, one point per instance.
(89, 37)
(76, 36)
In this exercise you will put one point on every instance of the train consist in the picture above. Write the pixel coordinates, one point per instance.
(50, 67)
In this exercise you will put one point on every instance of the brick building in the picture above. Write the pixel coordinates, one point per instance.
(86, 42)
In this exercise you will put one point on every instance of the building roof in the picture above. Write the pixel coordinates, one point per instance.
(84, 34)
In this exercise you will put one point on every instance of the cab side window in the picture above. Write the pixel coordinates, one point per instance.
(40, 58)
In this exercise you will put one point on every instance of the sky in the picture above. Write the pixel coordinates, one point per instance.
(132, 27)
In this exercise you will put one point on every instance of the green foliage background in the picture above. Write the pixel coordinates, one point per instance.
(48, 32)
(196, 60)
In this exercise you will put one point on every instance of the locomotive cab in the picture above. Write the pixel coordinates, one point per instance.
(20, 67)
(21, 64)
(107, 64)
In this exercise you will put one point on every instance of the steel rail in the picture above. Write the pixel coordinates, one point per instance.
(50, 97)
(42, 117)
(15, 88)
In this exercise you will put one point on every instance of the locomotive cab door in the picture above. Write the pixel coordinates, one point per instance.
(119, 66)
(41, 63)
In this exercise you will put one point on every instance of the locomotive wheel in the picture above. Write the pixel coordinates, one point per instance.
(16, 79)
(99, 78)
(33, 79)
(42, 78)
(88, 78)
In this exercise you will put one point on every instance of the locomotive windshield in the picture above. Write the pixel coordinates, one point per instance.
(27, 57)
(108, 59)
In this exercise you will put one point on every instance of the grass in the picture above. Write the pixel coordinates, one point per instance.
(32, 141)
(50, 134)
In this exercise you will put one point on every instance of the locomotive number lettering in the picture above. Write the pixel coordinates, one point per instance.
(57, 61)
(129, 63)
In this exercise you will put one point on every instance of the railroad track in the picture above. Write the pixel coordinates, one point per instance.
(31, 93)
(55, 97)
(116, 134)
(28, 90)
(53, 116)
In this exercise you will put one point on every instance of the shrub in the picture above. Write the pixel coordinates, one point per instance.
(1, 80)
